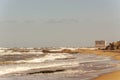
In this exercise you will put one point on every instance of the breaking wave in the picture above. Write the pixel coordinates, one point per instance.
(48, 57)
(60, 64)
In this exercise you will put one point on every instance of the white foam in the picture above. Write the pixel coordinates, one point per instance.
(95, 60)
(14, 53)
(18, 68)
(10, 53)
(48, 57)
(34, 53)
(5, 69)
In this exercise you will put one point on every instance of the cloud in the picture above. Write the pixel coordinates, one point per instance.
(62, 20)
(8, 21)
(45, 20)
(29, 21)
(16, 21)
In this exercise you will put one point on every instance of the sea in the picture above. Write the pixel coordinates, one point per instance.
(54, 66)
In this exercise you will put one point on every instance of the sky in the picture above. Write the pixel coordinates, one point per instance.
(56, 23)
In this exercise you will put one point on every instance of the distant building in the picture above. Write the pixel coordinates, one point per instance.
(100, 44)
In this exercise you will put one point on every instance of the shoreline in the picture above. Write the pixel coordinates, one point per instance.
(114, 54)
(115, 75)
(109, 76)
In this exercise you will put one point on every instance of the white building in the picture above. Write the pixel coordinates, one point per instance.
(100, 44)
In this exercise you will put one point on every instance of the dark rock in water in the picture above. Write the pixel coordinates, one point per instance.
(45, 51)
(48, 71)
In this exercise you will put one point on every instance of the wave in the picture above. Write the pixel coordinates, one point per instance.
(25, 67)
(64, 63)
(48, 57)
(19, 53)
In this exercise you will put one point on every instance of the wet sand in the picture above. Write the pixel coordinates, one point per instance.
(110, 76)
(115, 55)
(109, 53)
(113, 75)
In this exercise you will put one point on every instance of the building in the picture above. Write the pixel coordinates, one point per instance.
(100, 44)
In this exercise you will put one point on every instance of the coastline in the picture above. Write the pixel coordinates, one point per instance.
(109, 53)
(113, 54)
(109, 76)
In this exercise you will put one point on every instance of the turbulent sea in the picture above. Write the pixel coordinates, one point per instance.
(54, 66)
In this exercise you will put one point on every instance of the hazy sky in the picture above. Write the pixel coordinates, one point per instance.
(40, 23)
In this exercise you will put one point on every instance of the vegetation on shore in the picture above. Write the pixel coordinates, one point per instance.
(113, 46)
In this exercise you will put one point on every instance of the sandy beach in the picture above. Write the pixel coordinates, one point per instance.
(113, 75)
(115, 55)
(110, 76)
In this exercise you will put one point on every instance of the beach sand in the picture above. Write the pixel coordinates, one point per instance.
(115, 55)
(110, 76)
